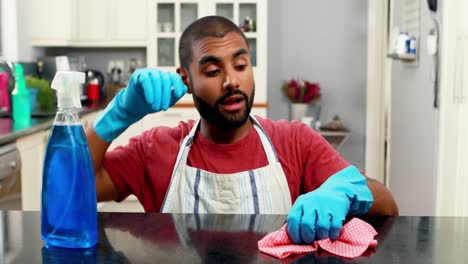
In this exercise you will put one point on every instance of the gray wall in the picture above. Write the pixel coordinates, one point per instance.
(413, 127)
(326, 42)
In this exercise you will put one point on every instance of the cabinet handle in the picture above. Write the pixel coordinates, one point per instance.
(13, 165)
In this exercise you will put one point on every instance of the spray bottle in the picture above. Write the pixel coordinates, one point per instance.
(69, 206)
(20, 98)
(4, 94)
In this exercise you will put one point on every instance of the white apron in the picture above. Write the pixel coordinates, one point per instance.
(259, 191)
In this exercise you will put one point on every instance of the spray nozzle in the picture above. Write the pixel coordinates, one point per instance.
(67, 84)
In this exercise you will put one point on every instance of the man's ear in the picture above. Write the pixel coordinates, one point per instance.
(185, 78)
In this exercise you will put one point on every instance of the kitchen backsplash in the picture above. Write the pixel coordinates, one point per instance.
(101, 59)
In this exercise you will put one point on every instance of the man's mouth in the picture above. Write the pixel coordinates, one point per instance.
(232, 103)
(233, 99)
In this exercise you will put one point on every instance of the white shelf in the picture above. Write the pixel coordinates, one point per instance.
(403, 57)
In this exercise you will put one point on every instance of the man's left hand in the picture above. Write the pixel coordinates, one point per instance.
(320, 213)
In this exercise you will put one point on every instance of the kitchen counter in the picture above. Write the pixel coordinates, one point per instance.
(9, 132)
(188, 238)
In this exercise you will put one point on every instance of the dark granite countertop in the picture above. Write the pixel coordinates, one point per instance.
(205, 238)
(9, 131)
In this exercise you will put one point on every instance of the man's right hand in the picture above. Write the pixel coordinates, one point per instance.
(148, 91)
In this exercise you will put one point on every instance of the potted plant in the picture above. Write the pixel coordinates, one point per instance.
(301, 93)
(45, 94)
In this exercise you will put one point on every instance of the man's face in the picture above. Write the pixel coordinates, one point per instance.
(221, 80)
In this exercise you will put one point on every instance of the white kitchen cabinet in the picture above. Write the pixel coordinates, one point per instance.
(92, 19)
(52, 22)
(87, 23)
(168, 19)
(32, 152)
(119, 23)
(453, 145)
(129, 21)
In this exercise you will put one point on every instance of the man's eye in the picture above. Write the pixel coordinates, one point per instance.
(212, 73)
(241, 67)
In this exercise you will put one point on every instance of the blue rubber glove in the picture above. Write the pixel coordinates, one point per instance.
(320, 213)
(148, 91)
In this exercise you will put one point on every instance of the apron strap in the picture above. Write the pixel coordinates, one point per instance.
(266, 142)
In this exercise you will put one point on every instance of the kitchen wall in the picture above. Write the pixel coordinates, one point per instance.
(325, 42)
(413, 126)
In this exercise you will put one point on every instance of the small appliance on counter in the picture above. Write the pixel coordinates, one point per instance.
(94, 90)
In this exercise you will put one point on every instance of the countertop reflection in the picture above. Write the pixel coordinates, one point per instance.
(188, 238)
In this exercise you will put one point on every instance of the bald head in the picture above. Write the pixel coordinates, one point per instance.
(209, 26)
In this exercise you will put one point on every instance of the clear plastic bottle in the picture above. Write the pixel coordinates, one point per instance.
(69, 206)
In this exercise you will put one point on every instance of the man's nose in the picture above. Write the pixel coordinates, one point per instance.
(231, 82)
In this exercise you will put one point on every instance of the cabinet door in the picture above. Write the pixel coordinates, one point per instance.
(92, 20)
(129, 21)
(32, 151)
(168, 21)
(51, 26)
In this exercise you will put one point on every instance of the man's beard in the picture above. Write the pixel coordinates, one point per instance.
(224, 121)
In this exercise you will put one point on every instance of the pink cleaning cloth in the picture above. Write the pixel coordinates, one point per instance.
(355, 237)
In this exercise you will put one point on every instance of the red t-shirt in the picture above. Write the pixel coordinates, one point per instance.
(144, 166)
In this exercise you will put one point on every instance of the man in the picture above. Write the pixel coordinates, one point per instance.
(228, 161)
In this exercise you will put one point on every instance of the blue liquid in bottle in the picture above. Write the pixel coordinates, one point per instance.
(69, 207)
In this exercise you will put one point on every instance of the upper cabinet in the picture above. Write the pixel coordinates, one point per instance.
(51, 22)
(168, 19)
(87, 23)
